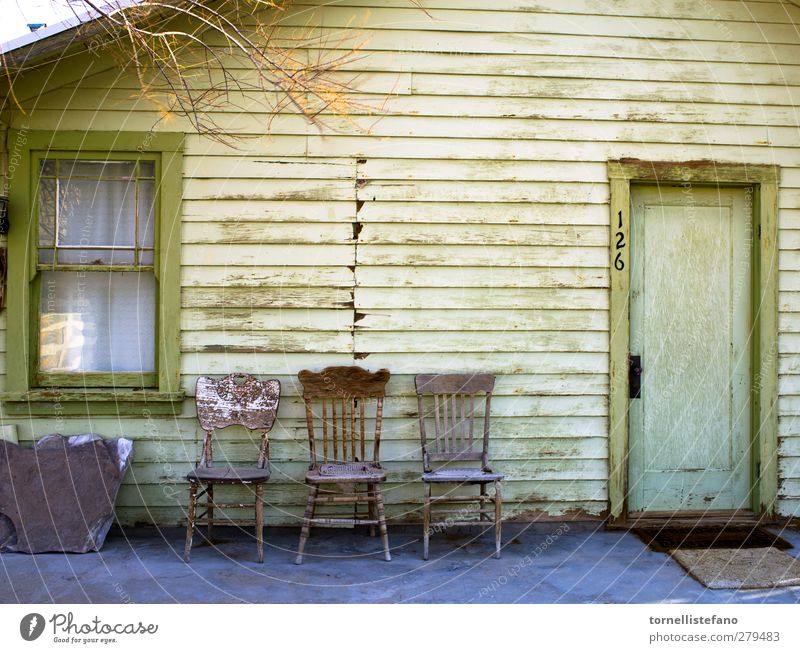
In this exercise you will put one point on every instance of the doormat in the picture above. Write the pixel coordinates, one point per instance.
(709, 537)
(740, 569)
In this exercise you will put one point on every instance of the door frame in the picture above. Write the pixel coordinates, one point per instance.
(763, 179)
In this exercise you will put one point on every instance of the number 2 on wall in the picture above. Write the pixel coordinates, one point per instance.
(619, 264)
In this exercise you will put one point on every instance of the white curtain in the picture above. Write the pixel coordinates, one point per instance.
(97, 322)
(97, 212)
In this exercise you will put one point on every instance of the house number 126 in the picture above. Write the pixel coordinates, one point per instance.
(619, 264)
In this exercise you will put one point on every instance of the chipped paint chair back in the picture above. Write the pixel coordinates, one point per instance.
(458, 407)
(235, 400)
(341, 403)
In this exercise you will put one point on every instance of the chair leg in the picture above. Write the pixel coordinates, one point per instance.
(210, 509)
(426, 521)
(483, 515)
(259, 523)
(371, 508)
(305, 531)
(498, 517)
(382, 523)
(190, 521)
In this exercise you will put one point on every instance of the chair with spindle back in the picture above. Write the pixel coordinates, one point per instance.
(336, 399)
(236, 400)
(451, 405)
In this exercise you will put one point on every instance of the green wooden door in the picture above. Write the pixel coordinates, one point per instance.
(690, 321)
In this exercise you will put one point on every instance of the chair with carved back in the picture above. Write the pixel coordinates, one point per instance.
(452, 403)
(235, 400)
(340, 402)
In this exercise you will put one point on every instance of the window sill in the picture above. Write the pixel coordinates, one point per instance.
(78, 402)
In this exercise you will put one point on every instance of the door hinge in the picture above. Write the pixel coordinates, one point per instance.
(758, 470)
(759, 232)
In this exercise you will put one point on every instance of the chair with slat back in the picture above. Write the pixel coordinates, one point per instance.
(452, 404)
(236, 400)
(339, 403)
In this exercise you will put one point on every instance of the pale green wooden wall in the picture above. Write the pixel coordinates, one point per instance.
(483, 230)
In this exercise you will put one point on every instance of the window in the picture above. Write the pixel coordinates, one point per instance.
(93, 270)
(95, 254)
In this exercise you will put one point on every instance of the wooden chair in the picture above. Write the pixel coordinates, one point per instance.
(337, 398)
(454, 417)
(237, 399)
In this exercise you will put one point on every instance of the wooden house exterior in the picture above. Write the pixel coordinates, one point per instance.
(480, 222)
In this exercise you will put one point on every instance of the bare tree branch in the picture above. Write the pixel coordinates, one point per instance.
(201, 55)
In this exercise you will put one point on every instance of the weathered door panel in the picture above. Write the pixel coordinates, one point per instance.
(691, 323)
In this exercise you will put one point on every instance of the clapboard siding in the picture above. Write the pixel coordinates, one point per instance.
(456, 220)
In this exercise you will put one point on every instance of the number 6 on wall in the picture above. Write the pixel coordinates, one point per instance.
(619, 263)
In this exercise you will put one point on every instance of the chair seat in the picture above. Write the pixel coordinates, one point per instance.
(346, 473)
(464, 475)
(228, 475)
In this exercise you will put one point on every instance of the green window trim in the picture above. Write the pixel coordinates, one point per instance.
(101, 392)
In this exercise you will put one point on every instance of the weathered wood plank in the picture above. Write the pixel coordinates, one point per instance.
(249, 167)
(266, 297)
(481, 277)
(574, 67)
(380, 342)
(475, 255)
(266, 275)
(266, 341)
(285, 233)
(252, 319)
(454, 340)
(410, 211)
(458, 234)
(789, 446)
(680, 110)
(788, 364)
(267, 254)
(524, 298)
(518, 323)
(498, 362)
(517, 171)
(269, 211)
(789, 384)
(557, 150)
(233, 188)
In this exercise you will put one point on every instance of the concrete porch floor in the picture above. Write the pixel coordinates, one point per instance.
(542, 563)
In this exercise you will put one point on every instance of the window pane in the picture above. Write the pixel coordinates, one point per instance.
(97, 213)
(47, 211)
(146, 257)
(147, 200)
(47, 167)
(97, 322)
(97, 169)
(147, 169)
